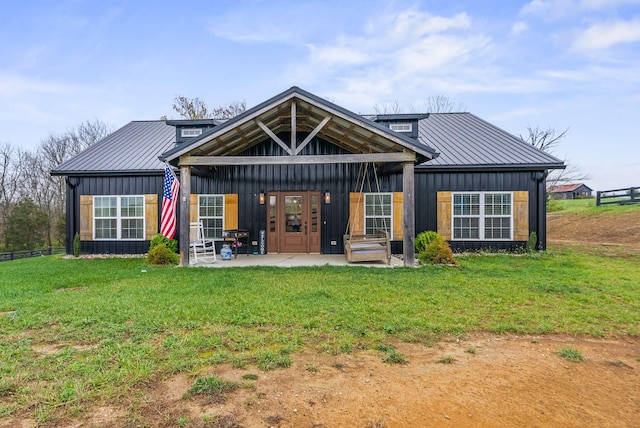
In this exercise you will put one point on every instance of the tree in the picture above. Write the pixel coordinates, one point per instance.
(195, 108)
(442, 104)
(548, 140)
(435, 104)
(388, 108)
(26, 227)
(46, 191)
(11, 167)
(544, 139)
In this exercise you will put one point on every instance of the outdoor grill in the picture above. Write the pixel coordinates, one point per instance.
(238, 238)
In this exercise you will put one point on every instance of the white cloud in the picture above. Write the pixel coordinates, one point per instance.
(601, 4)
(563, 8)
(12, 85)
(549, 8)
(392, 57)
(340, 54)
(413, 23)
(519, 27)
(604, 35)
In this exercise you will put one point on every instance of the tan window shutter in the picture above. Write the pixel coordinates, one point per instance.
(193, 207)
(86, 217)
(356, 213)
(444, 214)
(398, 200)
(231, 211)
(520, 216)
(150, 216)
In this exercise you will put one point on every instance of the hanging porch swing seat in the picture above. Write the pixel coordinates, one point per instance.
(368, 248)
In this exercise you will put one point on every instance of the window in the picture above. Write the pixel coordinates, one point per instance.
(118, 217)
(191, 132)
(401, 127)
(211, 214)
(482, 216)
(378, 209)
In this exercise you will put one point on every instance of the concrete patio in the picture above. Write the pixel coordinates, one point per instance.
(295, 260)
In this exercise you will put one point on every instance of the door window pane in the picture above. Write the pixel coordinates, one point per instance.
(315, 214)
(272, 214)
(293, 213)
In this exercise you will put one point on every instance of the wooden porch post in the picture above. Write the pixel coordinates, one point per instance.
(185, 198)
(408, 214)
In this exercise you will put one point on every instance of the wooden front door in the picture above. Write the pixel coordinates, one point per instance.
(293, 222)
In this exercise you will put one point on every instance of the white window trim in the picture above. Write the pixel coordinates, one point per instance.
(190, 132)
(401, 126)
(119, 217)
(223, 211)
(481, 217)
(365, 216)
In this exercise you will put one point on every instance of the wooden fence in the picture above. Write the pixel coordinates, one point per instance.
(15, 255)
(630, 195)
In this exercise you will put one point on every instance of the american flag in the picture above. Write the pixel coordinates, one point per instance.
(169, 202)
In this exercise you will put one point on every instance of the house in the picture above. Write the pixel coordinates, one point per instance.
(570, 191)
(338, 172)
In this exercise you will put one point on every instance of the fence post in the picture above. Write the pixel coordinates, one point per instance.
(598, 198)
(633, 194)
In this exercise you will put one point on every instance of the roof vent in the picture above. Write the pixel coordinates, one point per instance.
(190, 132)
(401, 126)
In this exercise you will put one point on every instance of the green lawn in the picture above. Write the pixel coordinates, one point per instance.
(588, 206)
(112, 324)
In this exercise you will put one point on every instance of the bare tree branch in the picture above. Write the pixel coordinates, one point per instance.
(544, 139)
(195, 108)
(443, 104)
(388, 108)
(548, 140)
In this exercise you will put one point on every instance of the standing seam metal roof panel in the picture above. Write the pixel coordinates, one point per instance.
(463, 139)
(133, 148)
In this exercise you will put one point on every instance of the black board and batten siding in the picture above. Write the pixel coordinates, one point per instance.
(429, 183)
(106, 186)
(338, 179)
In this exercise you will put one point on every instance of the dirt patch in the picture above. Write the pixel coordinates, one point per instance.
(608, 229)
(490, 381)
(54, 348)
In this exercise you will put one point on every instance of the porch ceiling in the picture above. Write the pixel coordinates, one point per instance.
(301, 114)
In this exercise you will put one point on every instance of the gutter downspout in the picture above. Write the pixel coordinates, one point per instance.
(541, 204)
(71, 205)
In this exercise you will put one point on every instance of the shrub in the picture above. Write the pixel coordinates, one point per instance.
(171, 244)
(437, 252)
(531, 242)
(425, 238)
(161, 255)
(554, 205)
(76, 245)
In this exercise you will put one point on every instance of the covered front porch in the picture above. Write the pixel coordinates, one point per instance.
(293, 148)
(295, 260)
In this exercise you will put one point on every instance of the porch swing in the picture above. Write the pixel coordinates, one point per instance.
(366, 247)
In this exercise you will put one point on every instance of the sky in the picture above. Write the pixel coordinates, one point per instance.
(563, 64)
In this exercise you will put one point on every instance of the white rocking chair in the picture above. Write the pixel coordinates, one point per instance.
(202, 249)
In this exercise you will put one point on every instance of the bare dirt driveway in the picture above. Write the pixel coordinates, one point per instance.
(490, 381)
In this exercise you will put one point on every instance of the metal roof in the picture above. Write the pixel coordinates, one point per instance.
(134, 148)
(462, 140)
(345, 129)
(466, 141)
(566, 188)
